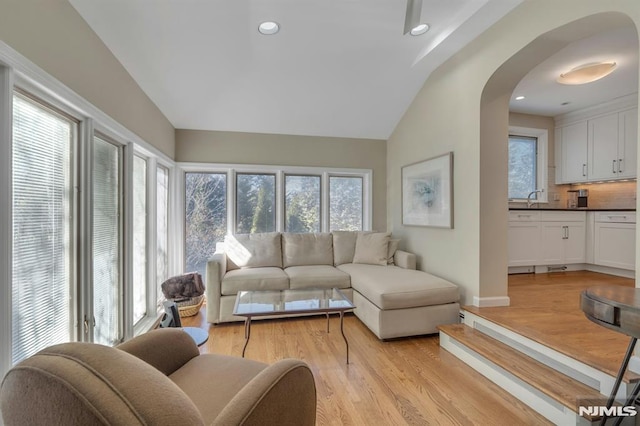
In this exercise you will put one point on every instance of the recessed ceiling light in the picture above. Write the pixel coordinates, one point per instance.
(587, 73)
(519, 98)
(419, 29)
(268, 28)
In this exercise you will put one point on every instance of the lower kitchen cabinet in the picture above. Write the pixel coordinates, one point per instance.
(553, 238)
(546, 237)
(562, 243)
(524, 243)
(615, 240)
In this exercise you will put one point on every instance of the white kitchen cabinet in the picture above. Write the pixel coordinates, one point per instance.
(562, 242)
(523, 238)
(628, 143)
(524, 243)
(572, 165)
(615, 240)
(613, 140)
(603, 147)
(596, 148)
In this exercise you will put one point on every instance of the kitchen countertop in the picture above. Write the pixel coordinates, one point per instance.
(584, 209)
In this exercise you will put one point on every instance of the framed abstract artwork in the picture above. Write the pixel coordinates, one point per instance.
(427, 192)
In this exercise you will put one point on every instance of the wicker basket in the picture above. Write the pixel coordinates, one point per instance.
(190, 307)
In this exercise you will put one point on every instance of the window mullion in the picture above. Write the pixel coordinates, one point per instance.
(324, 202)
(85, 317)
(280, 205)
(152, 230)
(6, 113)
(127, 242)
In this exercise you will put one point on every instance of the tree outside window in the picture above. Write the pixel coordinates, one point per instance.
(522, 166)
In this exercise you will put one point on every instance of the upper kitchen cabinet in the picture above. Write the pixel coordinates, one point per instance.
(628, 121)
(572, 153)
(613, 145)
(599, 147)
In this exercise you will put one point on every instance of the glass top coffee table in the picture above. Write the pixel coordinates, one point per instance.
(250, 304)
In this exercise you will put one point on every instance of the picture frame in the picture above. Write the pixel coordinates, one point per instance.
(427, 192)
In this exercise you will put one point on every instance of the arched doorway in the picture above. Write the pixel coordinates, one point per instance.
(494, 125)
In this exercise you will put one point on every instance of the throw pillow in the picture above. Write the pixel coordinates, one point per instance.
(254, 250)
(344, 246)
(393, 246)
(372, 248)
(306, 249)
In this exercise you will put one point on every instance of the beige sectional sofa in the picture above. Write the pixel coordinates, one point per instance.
(392, 298)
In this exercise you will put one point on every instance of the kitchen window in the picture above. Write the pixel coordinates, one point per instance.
(527, 164)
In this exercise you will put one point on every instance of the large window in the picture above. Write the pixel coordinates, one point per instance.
(83, 224)
(345, 203)
(205, 217)
(42, 281)
(522, 166)
(139, 238)
(527, 164)
(107, 231)
(256, 203)
(221, 200)
(302, 203)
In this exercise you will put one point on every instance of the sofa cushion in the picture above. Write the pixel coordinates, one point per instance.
(254, 279)
(344, 246)
(254, 250)
(372, 248)
(392, 287)
(307, 249)
(317, 276)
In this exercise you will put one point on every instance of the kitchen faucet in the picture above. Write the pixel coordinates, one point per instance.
(529, 202)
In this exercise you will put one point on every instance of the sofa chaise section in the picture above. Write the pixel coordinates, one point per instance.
(397, 302)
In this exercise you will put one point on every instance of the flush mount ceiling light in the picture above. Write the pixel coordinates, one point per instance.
(412, 23)
(419, 29)
(587, 73)
(268, 28)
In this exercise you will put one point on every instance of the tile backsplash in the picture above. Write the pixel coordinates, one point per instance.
(608, 195)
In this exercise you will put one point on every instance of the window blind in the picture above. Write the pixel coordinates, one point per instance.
(42, 188)
(107, 292)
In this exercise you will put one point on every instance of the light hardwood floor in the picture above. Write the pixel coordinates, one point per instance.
(404, 381)
(413, 380)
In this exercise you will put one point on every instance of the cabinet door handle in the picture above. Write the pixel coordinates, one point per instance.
(613, 167)
(611, 217)
(584, 170)
(619, 165)
(524, 215)
(565, 232)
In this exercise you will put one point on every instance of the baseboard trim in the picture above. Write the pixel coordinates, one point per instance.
(490, 302)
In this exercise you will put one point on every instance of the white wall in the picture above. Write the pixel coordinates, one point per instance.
(446, 116)
(51, 34)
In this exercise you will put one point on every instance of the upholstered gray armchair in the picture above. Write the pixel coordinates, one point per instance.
(158, 378)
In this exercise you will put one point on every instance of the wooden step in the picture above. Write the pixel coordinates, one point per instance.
(604, 347)
(546, 380)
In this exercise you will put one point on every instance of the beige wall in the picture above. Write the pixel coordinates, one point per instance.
(451, 113)
(288, 150)
(54, 36)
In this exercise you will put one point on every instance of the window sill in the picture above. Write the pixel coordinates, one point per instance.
(146, 324)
